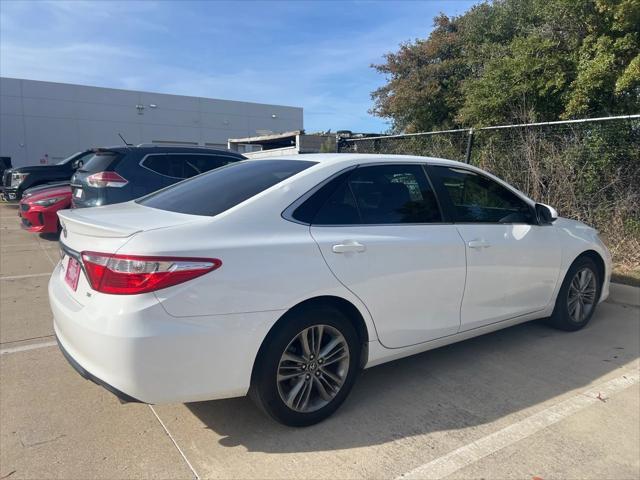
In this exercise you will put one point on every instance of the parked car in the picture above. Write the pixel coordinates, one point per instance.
(284, 277)
(16, 180)
(39, 188)
(119, 174)
(39, 208)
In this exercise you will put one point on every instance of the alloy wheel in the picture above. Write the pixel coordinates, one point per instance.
(313, 368)
(582, 295)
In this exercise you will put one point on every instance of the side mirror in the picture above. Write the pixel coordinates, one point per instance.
(77, 164)
(546, 214)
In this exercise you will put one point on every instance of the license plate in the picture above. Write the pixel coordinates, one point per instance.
(73, 273)
(78, 193)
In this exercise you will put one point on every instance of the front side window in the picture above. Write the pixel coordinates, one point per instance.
(475, 198)
(379, 195)
(223, 188)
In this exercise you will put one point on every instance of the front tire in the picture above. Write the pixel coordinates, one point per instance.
(307, 367)
(578, 296)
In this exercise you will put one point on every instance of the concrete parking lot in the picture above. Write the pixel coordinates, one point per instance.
(524, 402)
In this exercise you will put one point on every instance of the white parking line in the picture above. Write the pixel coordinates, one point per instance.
(184, 457)
(42, 247)
(24, 348)
(26, 244)
(472, 452)
(30, 275)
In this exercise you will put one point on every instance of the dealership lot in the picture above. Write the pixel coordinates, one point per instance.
(526, 401)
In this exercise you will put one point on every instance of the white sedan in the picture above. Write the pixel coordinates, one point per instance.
(284, 277)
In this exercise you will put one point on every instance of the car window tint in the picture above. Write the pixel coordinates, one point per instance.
(339, 209)
(223, 188)
(204, 163)
(100, 162)
(183, 165)
(479, 199)
(382, 194)
(308, 210)
(157, 163)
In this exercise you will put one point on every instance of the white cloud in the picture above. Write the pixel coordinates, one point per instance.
(165, 47)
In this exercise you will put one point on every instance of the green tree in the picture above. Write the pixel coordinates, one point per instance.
(516, 60)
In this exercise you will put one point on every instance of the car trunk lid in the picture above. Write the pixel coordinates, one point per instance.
(106, 230)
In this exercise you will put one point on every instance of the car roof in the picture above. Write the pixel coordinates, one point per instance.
(354, 158)
(348, 159)
(169, 149)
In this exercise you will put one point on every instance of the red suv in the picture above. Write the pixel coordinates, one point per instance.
(39, 211)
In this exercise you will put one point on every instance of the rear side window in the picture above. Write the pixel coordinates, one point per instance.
(183, 165)
(101, 161)
(223, 188)
(376, 195)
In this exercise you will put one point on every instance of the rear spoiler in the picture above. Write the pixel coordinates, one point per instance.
(81, 225)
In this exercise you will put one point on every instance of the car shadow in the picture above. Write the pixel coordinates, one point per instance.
(462, 385)
(50, 237)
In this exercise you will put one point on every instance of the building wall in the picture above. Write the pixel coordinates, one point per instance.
(45, 122)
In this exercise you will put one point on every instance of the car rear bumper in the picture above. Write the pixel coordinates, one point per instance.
(136, 350)
(123, 397)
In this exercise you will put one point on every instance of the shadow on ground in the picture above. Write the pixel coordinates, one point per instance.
(50, 237)
(463, 385)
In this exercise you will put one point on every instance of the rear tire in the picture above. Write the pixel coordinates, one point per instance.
(307, 367)
(578, 297)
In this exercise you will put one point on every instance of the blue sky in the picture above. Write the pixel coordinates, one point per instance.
(316, 55)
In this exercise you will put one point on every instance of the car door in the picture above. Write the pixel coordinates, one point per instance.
(381, 233)
(512, 262)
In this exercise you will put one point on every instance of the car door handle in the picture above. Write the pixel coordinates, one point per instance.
(348, 246)
(478, 243)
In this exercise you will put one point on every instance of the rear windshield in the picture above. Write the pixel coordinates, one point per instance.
(99, 162)
(218, 190)
(68, 159)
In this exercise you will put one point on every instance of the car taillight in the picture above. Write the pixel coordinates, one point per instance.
(133, 274)
(106, 179)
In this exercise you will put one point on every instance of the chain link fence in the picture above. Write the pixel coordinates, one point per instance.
(588, 170)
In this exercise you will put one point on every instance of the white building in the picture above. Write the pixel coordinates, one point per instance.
(43, 122)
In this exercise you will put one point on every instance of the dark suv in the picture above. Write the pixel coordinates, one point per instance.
(120, 174)
(16, 180)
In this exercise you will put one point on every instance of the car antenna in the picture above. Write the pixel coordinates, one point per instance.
(125, 142)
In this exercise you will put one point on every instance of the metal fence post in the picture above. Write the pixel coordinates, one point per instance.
(467, 156)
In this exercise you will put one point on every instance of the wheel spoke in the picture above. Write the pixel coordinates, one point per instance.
(335, 359)
(334, 378)
(331, 382)
(339, 351)
(324, 353)
(318, 341)
(321, 390)
(584, 278)
(304, 395)
(294, 392)
(291, 357)
(304, 340)
(578, 311)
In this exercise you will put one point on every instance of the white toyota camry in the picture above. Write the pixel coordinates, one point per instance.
(284, 277)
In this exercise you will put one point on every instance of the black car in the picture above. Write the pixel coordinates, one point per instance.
(120, 174)
(16, 180)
